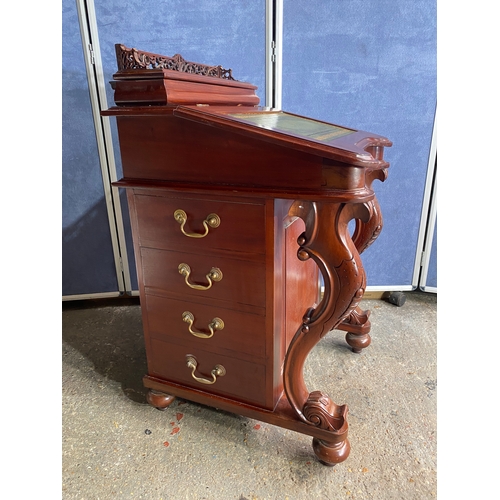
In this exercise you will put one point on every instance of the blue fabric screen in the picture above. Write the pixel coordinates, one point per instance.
(230, 33)
(371, 65)
(87, 258)
(211, 32)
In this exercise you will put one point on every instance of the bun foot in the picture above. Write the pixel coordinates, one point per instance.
(357, 325)
(358, 341)
(331, 453)
(159, 400)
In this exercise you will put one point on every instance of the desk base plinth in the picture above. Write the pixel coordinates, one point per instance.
(330, 446)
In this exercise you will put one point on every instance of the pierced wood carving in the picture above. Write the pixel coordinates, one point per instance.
(130, 59)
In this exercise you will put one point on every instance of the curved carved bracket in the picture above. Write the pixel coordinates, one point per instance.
(367, 232)
(326, 240)
(358, 317)
(323, 413)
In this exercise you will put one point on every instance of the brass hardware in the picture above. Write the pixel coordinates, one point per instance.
(212, 220)
(215, 324)
(218, 371)
(215, 274)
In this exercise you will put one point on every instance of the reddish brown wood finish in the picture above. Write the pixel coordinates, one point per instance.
(243, 334)
(357, 325)
(301, 280)
(146, 78)
(159, 400)
(281, 201)
(159, 229)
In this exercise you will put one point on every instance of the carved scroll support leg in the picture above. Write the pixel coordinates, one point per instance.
(326, 240)
(357, 324)
(159, 400)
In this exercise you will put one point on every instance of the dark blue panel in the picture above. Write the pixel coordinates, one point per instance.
(226, 32)
(87, 259)
(371, 65)
(229, 33)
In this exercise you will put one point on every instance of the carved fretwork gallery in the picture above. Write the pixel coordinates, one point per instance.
(131, 59)
(236, 212)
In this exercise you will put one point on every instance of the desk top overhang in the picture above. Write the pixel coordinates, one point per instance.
(149, 85)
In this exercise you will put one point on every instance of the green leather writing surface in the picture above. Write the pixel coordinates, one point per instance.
(296, 125)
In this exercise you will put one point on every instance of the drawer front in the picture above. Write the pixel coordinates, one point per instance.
(243, 381)
(214, 329)
(241, 282)
(208, 225)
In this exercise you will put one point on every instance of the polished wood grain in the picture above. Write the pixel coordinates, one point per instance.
(243, 335)
(248, 160)
(301, 280)
(244, 381)
(159, 229)
(159, 400)
(243, 282)
(153, 79)
(285, 200)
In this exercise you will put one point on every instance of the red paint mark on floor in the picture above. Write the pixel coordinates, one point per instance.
(166, 444)
(179, 416)
(175, 430)
(256, 427)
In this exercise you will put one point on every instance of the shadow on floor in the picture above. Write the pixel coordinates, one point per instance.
(109, 335)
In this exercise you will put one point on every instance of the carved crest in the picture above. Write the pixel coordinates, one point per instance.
(130, 59)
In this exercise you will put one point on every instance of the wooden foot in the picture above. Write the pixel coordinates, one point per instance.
(159, 400)
(331, 453)
(322, 412)
(358, 341)
(357, 325)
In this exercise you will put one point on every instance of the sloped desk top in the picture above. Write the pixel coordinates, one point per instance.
(191, 130)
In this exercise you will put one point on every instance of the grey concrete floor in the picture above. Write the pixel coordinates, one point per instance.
(115, 445)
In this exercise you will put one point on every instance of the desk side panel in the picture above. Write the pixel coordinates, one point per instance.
(158, 147)
(172, 149)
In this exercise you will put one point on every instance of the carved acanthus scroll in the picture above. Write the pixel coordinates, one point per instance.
(326, 240)
(323, 413)
(130, 59)
(367, 232)
(357, 324)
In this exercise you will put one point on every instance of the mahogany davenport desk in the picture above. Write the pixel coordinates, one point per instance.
(235, 210)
